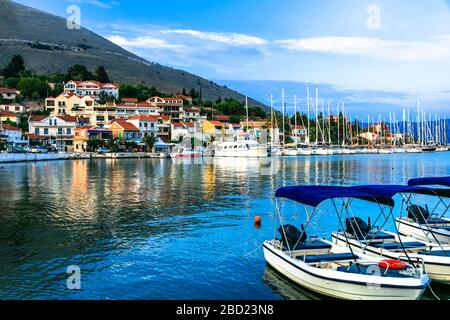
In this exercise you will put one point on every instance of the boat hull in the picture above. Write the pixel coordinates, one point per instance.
(413, 229)
(321, 281)
(438, 268)
(255, 153)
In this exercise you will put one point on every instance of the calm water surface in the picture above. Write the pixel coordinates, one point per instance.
(161, 229)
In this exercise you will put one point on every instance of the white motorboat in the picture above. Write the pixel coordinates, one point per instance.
(413, 150)
(334, 270)
(185, 152)
(422, 224)
(243, 146)
(288, 152)
(385, 151)
(304, 151)
(372, 240)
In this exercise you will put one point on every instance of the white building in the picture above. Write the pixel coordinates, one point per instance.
(172, 107)
(9, 93)
(126, 110)
(91, 88)
(57, 130)
(299, 134)
(15, 108)
(147, 125)
(11, 135)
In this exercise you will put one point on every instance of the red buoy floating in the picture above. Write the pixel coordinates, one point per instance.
(258, 222)
(392, 264)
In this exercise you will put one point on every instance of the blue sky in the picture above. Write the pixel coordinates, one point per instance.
(400, 46)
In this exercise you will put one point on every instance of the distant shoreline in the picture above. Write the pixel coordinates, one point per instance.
(38, 157)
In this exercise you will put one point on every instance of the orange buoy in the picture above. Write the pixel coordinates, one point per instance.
(258, 220)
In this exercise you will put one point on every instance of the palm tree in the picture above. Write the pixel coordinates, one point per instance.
(212, 139)
(150, 142)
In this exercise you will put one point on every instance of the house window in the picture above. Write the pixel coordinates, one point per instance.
(45, 131)
(60, 131)
(36, 131)
(69, 131)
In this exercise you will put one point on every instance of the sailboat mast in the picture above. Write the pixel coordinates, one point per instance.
(271, 120)
(295, 121)
(307, 106)
(284, 124)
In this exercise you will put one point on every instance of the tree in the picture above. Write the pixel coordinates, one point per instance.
(150, 142)
(32, 88)
(102, 76)
(78, 72)
(16, 66)
(94, 144)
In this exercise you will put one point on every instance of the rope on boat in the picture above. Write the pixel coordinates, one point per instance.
(434, 294)
(246, 255)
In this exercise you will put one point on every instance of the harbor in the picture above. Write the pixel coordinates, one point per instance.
(135, 224)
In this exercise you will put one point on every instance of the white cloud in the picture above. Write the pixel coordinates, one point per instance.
(233, 39)
(97, 3)
(433, 49)
(143, 42)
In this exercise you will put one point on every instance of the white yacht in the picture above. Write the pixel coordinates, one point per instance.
(243, 146)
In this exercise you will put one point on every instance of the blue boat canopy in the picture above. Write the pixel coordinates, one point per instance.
(442, 181)
(314, 195)
(389, 191)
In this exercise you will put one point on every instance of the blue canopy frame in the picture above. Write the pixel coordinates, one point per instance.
(314, 195)
(439, 181)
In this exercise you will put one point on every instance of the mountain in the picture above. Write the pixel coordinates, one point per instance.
(47, 46)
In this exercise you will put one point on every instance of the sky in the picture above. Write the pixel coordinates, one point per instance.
(401, 46)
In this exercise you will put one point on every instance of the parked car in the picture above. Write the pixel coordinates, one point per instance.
(16, 149)
(39, 149)
(102, 150)
(27, 149)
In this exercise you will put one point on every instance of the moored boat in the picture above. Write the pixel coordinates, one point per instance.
(374, 240)
(422, 224)
(333, 270)
(243, 146)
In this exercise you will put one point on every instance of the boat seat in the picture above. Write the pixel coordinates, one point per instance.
(312, 245)
(380, 235)
(398, 246)
(438, 221)
(368, 270)
(328, 257)
(446, 228)
(436, 253)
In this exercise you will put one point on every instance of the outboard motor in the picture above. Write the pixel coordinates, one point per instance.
(357, 227)
(418, 214)
(292, 235)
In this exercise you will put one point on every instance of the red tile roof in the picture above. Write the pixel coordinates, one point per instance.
(38, 118)
(8, 90)
(193, 109)
(7, 114)
(216, 123)
(68, 118)
(130, 99)
(4, 126)
(145, 118)
(126, 125)
(222, 118)
(33, 136)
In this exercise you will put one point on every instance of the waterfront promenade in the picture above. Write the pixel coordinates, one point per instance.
(34, 157)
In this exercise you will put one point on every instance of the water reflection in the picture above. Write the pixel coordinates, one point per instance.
(156, 229)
